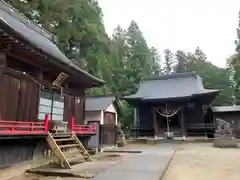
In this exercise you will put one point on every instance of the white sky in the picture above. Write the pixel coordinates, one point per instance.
(179, 24)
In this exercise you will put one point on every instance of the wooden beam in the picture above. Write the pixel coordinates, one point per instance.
(40, 74)
(73, 91)
(27, 58)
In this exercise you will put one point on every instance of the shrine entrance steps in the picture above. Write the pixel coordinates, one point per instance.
(67, 149)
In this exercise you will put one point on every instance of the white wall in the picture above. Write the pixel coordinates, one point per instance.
(98, 115)
(92, 116)
(111, 108)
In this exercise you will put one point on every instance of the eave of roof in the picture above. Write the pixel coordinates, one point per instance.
(172, 87)
(39, 41)
(96, 103)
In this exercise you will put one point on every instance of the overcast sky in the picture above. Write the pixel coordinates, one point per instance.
(179, 24)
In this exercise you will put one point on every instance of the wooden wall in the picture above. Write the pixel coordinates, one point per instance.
(109, 118)
(109, 129)
(19, 93)
(19, 98)
(145, 127)
(19, 150)
(192, 115)
(74, 106)
(21, 74)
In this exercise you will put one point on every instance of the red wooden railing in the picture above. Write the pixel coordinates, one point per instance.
(24, 128)
(82, 129)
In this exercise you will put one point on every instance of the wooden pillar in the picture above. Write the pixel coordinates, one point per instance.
(155, 127)
(39, 79)
(3, 63)
(183, 123)
(3, 59)
(136, 123)
(135, 117)
(3, 67)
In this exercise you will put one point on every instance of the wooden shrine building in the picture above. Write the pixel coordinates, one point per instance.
(104, 110)
(40, 88)
(172, 105)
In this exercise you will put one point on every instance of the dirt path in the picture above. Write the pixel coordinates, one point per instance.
(203, 162)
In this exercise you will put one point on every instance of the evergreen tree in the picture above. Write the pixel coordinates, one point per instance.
(181, 62)
(155, 62)
(168, 57)
(125, 58)
(234, 63)
(121, 75)
(213, 77)
(199, 54)
(78, 27)
(139, 56)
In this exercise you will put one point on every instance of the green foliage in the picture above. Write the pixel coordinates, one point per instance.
(234, 66)
(213, 77)
(181, 62)
(127, 118)
(78, 27)
(169, 61)
(123, 59)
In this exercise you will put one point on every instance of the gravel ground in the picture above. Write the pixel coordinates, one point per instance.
(201, 161)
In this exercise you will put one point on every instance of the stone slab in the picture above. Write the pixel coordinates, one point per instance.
(52, 170)
(122, 151)
(149, 165)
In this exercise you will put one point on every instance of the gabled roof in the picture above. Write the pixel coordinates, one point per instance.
(38, 37)
(166, 87)
(226, 109)
(99, 103)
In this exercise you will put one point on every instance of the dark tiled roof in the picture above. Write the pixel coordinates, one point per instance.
(171, 76)
(170, 87)
(99, 103)
(226, 109)
(37, 36)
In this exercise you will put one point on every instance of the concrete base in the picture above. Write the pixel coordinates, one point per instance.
(224, 141)
(122, 151)
(156, 140)
(104, 148)
(146, 140)
(52, 170)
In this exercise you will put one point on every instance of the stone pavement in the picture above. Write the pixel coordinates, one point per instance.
(149, 165)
